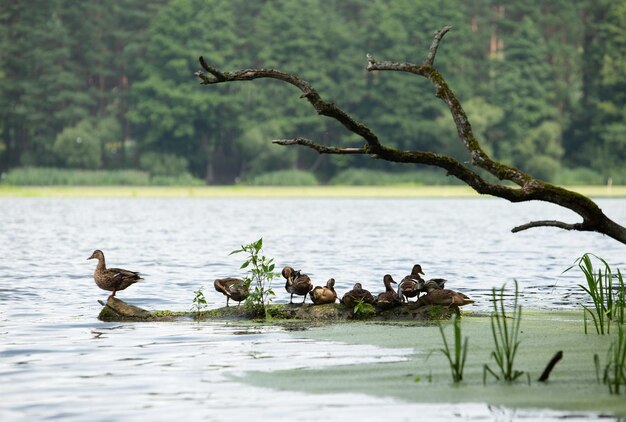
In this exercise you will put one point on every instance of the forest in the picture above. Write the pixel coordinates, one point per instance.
(110, 86)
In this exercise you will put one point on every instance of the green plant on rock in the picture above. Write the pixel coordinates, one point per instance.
(363, 310)
(607, 296)
(614, 373)
(199, 303)
(505, 331)
(260, 275)
(456, 357)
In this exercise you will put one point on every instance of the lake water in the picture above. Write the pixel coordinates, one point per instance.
(57, 361)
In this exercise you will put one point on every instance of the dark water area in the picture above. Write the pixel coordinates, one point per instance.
(57, 361)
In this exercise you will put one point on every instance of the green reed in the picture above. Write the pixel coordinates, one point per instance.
(614, 374)
(607, 295)
(505, 331)
(456, 357)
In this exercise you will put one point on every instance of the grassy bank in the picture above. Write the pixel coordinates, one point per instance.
(270, 191)
(572, 385)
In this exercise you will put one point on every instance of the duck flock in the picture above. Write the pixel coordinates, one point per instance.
(299, 284)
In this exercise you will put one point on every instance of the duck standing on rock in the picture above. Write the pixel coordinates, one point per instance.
(389, 298)
(112, 279)
(233, 288)
(356, 295)
(443, 297)
(321, 295)
(409, 286)
(297, 283)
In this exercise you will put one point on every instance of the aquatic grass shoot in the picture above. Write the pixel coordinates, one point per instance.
(199, 303)
(505, 331)
(607, 296)
(614, 373)
(260, 274)
(456, 357)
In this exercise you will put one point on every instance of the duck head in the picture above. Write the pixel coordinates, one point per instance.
(387, 279)
(288, 272)
(417, 269)
(97, 254)
(330, 284)
(357, 286)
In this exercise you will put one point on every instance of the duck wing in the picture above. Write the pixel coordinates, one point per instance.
(119, 275)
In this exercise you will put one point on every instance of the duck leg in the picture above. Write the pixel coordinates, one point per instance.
(291, 299)
(227, 299)
(304, 299)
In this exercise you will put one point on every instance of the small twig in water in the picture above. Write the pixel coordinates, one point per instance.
(546, 372)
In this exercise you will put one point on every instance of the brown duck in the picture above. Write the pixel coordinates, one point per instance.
(320, 295)
(357, 294)
(389, 298)
(432, 284)
(297, 283)
(409, 286)
(112, 279)
(443, 297)
(232, 288)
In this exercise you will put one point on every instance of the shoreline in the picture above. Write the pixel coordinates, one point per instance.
(397, 191)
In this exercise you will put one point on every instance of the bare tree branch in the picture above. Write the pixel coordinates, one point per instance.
(546, 223)
(218, 75)
(322, 149)
(322, 107)
(430, 59)
(528, 188)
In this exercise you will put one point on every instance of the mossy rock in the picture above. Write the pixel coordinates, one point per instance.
(118, 310)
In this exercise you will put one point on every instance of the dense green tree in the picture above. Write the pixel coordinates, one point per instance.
(38, 80)
(543, 82)
(171, 112)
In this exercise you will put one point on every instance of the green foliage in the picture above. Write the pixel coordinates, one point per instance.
(285, 178)
(579, 176)
(42, 176)
(366, 177)
(260, 275)
(363, 310)
(608, 297)
(505, 330)
(184, 179)
(614, 373)
(199, 303)
(542, 167)
(163, 164)
(543, 85)
(78, 146)
(456, 358)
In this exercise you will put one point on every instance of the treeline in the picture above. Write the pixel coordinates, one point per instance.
(109, 85)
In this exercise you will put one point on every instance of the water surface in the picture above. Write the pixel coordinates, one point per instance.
(58, 361)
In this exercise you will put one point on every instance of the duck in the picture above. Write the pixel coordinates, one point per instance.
(389, 298)
(297, 283)
(112, 279)
(233, 288)
(409, 286)
(443, 297)
(432, 284)
(357, 294)
(320, 295)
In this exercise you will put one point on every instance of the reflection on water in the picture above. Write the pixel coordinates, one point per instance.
(57, 361)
